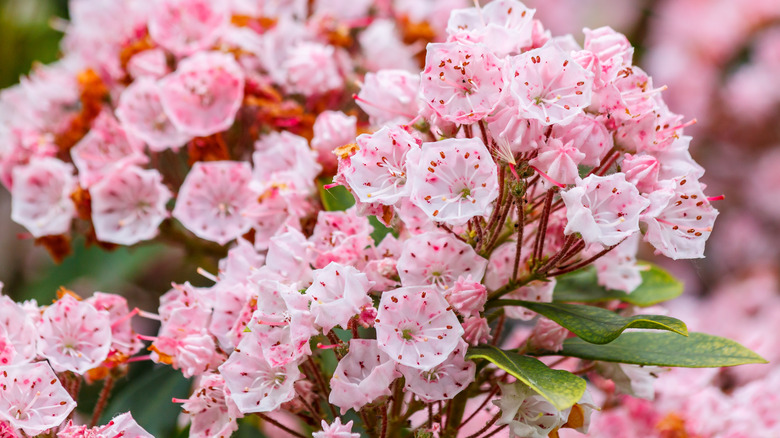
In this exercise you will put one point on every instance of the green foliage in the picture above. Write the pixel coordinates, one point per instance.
(561, 388)
(698, 350)
(597, 325)
(148, 398)
(582, 286)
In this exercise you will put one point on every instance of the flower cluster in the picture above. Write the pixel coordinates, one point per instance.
(486, 168)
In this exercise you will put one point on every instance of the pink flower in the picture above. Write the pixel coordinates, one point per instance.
(617, 269)
(362, 376)
(336, 430)
(213, 198)
(547, 335)
(443, 381)
(416, 327)
(505, 26)
(454, 180)
(559, 161)
(106, 148)
(389, 96)
(438, 259)
(204, 94)
(32, 398)
(185, 344)
(284, 159)
(612, 49)
(313, 69)
(123, 425)
(338, 293)
(129, 205)
(17, 334)
(332, 129)
(642, 171)
(187, 26)
(212, 413)
(383, 47)
(589, 136)
(340, 236)
(603, 209)
(141, 113)
(468, 296)
(151, 63)
(680, 219)
(476, 330)
(123, 338)
(41, 196)
(527, 413)
(548, 85)
(461, 83)
(378, 170)
(256, 386)
(74, 335)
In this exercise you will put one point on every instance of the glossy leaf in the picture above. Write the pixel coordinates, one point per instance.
(594, 324)
(561, 388)
(337, 198)
(582, 286)
(698, 350)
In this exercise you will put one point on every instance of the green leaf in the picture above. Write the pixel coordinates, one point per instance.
(335, 199)
(148, 398)
(594, 324)
(698, 350)
(561, 388)
(582, 286)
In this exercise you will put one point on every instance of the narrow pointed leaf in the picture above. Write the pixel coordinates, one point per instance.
(594, 324)
(561, 388)
(698, 350)
(582, 286)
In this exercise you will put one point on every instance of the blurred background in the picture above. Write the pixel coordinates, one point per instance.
(720, 60)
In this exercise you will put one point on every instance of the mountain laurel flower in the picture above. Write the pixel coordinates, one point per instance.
(461, 83)
(204, 94)
(416, 326)
(454, 180)
(338, 293)
(389, 96)
(378, 171)
(558, 161)
(548, 85)
(18, 334)
(74, 335)
(603, 209)
(187, 26)
(438, 259)
(41, 196)
(141, 113)
(468, 296)
(504, 26)
(128, 205)
(213, 198)
(32, 398)
(363, 375)
(476, 330)
(443, 381)
(336, 430)
(680, 219)
(123, 425)
(527, 413)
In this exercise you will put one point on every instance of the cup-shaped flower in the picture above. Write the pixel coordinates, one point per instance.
(548, 85)
(74, 335)
(337, 292)
(362, 376)
(128, 205)
(186, 26)
(41, 196)
(454, 180)
(416, 326)
(17, 334)
(444, 381)
(378, 170)
(461, 83)
(32, 398)
(123, 425)
(204, 94)
(438, 259)
(603, 209)
(213, 198)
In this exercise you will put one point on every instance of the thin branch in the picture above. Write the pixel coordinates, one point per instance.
(582, 264)
(487, 426)
(520, 227)
(105, 392)
(279, 425)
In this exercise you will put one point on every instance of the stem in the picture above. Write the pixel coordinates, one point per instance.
(496, 431)
(102, 401)
(558, 256)
(487, 426)
(449, 230)
(541, 232)
(484, 403)
(383, 434)
(497, 209)
(484, 132)
(499, 328)
(320, 380)
(499, 225)
(279, 425)
(519, 249)
(480, 234)
(583, 263)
